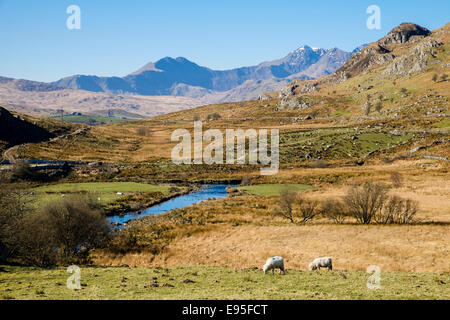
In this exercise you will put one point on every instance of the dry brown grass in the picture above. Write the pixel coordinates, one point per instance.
(241, 232)
(393, 248)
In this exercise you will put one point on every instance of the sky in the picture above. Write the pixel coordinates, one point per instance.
(118, 37)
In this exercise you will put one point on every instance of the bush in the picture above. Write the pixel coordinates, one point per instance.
(144, 132)
(397, 179)
(435, 77)
(213, 116)
(285, 208)
(246, 181)
(398, 211)
(307, 209)
(379, 106)
(62, 232)
(23, 171)
(334, 209)
(13, 207)
(125, 241)
(319, 164)
(366, 201)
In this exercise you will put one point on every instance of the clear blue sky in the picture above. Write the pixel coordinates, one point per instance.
(118, 37)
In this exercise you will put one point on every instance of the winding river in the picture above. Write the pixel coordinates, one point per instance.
(207, 192)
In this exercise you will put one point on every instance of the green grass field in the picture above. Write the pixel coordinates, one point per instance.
(106, 191)
(89, 119)
(274, 189)
(212, 283)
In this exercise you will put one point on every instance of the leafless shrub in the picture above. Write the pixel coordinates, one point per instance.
(366, 201)
(125, 241)
(435, 77)
(319, 164)
(397, 179)
(285, 208)
(397, 211)
(144, 132)
(213, 116)
(379, 106)
(246, 181)
(23, 171)
(334, 209)
(307, 209)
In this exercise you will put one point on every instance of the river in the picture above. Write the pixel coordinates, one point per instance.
(217, 191)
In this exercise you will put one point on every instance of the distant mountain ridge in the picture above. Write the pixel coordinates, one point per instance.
(181, 77)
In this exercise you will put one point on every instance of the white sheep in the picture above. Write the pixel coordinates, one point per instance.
(318, 263)
(274, 263)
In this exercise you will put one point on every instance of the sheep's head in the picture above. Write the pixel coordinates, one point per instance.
(265, 268)
(312, 267)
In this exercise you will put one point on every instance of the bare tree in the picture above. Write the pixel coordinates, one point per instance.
(398, 211)
(397, 179)
(366, 201)
(285, 208)
(13, 206)
(307, 209)
(334, 209)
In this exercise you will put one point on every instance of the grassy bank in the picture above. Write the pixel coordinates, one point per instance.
(115, 197)
(274, 189)
(217, 283)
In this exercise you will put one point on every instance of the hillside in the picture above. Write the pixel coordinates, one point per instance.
(387, 101)
(16, 129)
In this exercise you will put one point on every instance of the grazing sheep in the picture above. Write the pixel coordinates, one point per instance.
(274, 263)
(321, 263)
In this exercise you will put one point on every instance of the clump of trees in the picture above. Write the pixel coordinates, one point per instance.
(365, 204)
(61, 232)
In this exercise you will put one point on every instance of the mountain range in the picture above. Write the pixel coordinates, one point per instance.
(167, 85)
(181, 77)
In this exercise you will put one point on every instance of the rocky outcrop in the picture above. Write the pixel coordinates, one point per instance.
(405, 32)
(414, 61)
(381, 53)
(294, 103)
